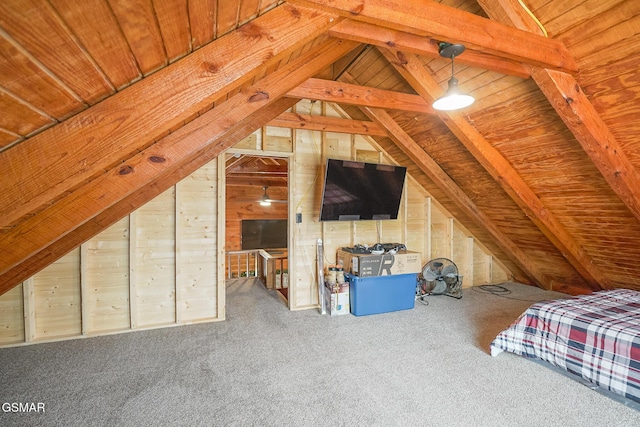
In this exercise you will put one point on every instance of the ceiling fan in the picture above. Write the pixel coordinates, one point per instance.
(265, 200)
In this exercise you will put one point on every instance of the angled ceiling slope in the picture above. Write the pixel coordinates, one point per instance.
(519, 168)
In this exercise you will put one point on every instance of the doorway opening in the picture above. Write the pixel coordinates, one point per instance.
(257, 220)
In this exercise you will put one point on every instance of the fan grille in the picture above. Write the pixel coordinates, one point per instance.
(440, 276)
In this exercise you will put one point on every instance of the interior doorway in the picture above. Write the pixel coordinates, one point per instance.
(257, 220)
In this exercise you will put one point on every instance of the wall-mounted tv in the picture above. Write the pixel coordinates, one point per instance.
(356, 191)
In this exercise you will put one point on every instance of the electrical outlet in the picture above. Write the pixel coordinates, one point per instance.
(298, 218)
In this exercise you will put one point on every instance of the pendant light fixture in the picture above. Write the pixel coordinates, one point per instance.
(452, 99)
(265, 200)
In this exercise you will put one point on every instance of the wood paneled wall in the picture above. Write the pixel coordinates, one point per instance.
(157, 267)
(164, 264)
(423, 225)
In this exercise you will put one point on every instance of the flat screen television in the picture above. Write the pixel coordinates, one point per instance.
(355, 191)
(264, 233)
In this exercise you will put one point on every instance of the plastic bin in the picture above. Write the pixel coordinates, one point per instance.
(381, 294)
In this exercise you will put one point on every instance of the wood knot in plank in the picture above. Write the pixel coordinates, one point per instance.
(402, 58)
(157, 159)
(253, 31)
(390, 43)
(568, 100)
(210, 67)
(259, 96)
(295, 13)
(125, 170)
(357, 10)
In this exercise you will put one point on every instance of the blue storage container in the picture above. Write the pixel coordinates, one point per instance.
(381, 294)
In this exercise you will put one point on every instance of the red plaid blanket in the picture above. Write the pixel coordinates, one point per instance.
(595, 336)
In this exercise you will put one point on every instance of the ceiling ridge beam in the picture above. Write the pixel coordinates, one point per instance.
(363, 96)
(410, 67)
(186, 149)
(578, 113)
(429, 166)
(448, 24)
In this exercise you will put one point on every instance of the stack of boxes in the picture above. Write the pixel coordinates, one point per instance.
(336, 293)
(370, 265)
(381, 283)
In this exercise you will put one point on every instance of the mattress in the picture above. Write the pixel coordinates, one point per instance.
(595, 336)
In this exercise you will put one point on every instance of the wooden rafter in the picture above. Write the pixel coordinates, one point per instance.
(410, 67)
(584, 122)
(104, 219)
(446, 184)
(386, 37)
(253, 168)
(444, 23)
(258, 173)
(237, 162)
(327, 124)
(233, 181)
(186, 149)
(576, 111)
(351, 94)
(55, 162)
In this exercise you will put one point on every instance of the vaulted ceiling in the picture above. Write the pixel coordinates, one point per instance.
(257, 171)
(106, 103)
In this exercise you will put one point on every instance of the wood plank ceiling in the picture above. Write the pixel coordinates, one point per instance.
(106, 103)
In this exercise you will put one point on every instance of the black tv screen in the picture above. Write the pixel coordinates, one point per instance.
(356, 191)
(264, 233)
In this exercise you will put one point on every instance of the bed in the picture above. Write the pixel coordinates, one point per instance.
(595, 337)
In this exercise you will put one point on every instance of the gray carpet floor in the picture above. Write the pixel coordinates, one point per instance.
(267, 366)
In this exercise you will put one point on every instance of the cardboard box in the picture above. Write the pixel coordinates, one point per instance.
(382, 294)
(337, 299)
(367, 265)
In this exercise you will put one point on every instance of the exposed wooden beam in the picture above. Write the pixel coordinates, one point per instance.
(446, 184)
(327, 124)
(410, 67)
(448, 24)
(248, 176)
(55, 162)
(254, 169)
(576, 111)
(237, 161)
(233, 181)
(193, 144)
(344, 93)
(104, 219)
(386, 37)
(584, 122)
(267, 173)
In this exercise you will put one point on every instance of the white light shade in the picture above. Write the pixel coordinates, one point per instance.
(453, 99)
(264, 200)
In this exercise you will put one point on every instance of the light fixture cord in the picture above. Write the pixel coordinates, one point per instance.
(452, 71)
(538, 23)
